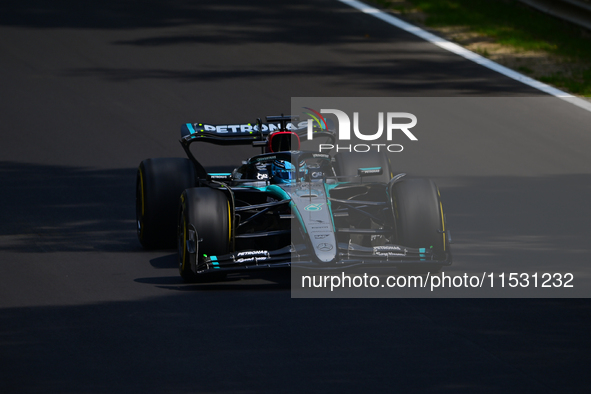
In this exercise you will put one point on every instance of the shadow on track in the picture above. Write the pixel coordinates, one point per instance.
(58, 208)
(235, 21)
(242, 341)
(516, 223)
(356, 52)
(381, 74)
(190, 340)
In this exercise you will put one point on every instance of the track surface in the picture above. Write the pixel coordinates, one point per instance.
(89, 89)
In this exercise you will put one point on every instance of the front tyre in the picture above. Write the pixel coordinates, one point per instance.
(204, 229)
(419, 216)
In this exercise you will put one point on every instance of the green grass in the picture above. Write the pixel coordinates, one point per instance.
(510, 23)
(525, 70)
(482, 52)
(581, 82)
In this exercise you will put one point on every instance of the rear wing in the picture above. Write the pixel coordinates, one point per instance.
(231, 134)
(244, 133)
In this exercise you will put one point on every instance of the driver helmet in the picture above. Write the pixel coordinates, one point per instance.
(282, 171)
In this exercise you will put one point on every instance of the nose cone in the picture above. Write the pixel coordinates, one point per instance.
(311, 202)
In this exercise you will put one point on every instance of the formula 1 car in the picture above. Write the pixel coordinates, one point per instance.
(286, 207)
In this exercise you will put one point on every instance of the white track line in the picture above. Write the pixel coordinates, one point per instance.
(463, 52)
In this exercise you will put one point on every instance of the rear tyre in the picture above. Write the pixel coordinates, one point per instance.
(419, 216)
(204, 229)
(159, 184)
(347, 164)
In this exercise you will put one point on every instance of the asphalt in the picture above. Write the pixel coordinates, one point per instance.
(89, 89)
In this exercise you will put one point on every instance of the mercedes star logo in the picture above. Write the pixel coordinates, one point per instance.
(324, 247)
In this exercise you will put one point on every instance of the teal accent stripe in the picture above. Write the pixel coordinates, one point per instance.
(277, 191)
(295, 210)
(191, 129)
(282, 194)
(214, 258)
(327, 189)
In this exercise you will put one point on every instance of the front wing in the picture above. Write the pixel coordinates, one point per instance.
(349, 256)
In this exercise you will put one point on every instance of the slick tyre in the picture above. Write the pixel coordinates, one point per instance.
(348, 163)
(204, 229)
(159, 184)
(419, 215)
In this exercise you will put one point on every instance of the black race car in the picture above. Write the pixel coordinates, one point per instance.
(287, 207)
